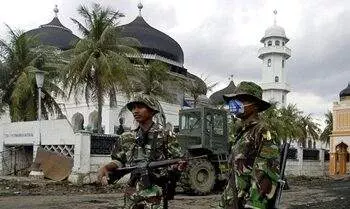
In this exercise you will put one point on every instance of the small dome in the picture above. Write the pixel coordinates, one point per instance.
(275, 31)
(152, 40)
(55, 34)
(345, 92)
(217, 97)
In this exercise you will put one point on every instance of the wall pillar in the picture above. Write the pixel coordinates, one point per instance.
(1, 157)
(300, 160)
(322, 164)
(333, 163)
(81, 167)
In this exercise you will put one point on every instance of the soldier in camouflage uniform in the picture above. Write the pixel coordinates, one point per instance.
(149, 142)
(254, 156)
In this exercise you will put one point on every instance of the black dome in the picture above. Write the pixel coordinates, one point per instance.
(345, 92)
(152, 40)
(55, 34)
(217, 97)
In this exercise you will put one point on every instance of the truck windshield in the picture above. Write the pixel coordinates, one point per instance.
(190, 121)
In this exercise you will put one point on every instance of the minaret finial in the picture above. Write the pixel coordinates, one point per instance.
(55, 10)
(230, 78)
(140, 6)
(275, 13)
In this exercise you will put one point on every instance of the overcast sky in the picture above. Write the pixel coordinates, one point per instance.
(221, 37)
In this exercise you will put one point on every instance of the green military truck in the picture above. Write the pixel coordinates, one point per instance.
(203, 131)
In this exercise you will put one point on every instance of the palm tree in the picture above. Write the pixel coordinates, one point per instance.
(196, 87)
(284, 123)
(154, 79)
(309, 130)
(327, 131)
(21, 56)
(272, 119)
(289, 124)
(100, 62)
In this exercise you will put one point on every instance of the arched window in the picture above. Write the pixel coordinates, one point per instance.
(283, 43)
(282, 63)
(93, 121)
(269, 43)
(269, 63)
(277, 43)
(277, 79)
(78, 121)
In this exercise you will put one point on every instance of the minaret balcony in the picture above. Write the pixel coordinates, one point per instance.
(275, 86)
(274, 50)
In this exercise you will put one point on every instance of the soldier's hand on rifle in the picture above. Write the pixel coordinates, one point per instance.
(180, 166)
(103, 176)
(104, 171)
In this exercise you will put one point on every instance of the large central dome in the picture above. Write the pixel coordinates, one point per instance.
(55, 34)
(152, 40)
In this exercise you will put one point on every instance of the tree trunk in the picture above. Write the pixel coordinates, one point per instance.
(99, 115)
(112, 99)
(99, 107)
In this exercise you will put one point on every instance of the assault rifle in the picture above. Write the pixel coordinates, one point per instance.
(143, 171)
(281, 181)
(144, 165)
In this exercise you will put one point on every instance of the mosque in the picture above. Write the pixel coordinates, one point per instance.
(155, 45)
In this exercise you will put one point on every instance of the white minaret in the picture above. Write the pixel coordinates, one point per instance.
(274, 55)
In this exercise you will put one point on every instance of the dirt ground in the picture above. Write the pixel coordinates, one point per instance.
(16, 192)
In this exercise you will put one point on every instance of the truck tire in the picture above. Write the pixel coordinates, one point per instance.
(199, 177)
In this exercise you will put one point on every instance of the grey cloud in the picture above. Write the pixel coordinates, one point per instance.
(320, 56)
(320, 62)
(320, 51)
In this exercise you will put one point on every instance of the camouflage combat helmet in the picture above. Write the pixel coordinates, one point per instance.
(248, 94)
(145, 99)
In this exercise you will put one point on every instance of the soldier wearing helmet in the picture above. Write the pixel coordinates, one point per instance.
(148, 142)
(254, 155)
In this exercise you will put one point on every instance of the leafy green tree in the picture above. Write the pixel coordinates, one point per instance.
(21, 56)
(327, 131)
(309, 130)
(196, 87)
(99, 65)
(290, 124)
(154, 79)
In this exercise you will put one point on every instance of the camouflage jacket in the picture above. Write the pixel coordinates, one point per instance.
(137, 146)
(254, 144)
(254, 157)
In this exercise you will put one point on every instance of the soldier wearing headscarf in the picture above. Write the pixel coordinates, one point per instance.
(148, 142)
(254, 156)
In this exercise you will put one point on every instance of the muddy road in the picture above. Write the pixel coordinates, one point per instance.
(22, 193)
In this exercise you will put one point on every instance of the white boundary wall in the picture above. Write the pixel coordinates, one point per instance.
(60, 132)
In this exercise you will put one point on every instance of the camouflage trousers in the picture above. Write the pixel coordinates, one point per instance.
(248, 194)
(150, 198)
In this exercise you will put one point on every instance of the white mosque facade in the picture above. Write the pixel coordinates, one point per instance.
(155, 45)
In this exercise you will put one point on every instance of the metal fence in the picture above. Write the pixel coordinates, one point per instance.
(102, 144)
(292, 154)
(16, 160)
(311, 154)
